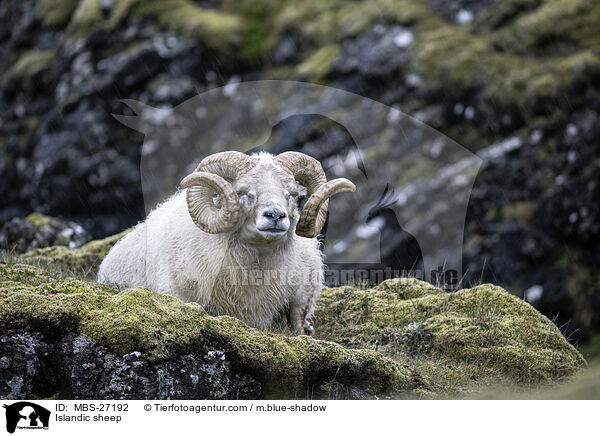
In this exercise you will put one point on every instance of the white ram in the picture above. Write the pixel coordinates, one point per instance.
(234, 240)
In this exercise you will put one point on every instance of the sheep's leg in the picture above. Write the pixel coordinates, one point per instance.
(308, 308)
(296, 318)
(308, 328)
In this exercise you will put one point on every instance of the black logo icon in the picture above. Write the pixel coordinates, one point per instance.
(26, 415)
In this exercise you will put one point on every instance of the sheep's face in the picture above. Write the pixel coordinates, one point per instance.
(269, 203)
(258, 196)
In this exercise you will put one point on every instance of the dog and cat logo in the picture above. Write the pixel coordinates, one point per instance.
(26, 415)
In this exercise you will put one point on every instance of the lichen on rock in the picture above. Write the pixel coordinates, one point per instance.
(36, 230)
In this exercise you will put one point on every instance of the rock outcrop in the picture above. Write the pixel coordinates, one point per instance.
(72, 339)
(63, 337)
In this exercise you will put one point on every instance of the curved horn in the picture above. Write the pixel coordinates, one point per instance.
(211, 177)
(309, 225)
(308, 172)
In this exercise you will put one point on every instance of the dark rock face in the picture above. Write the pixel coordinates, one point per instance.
(21, 365)
(377, 53)
(285, 52)
(75, 367)
(37, 231)
(65, 155)
(535, 218)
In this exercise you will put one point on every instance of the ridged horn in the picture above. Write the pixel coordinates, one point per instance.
(214, 175)
(309, 173)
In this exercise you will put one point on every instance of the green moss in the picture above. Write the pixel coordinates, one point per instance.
(29, 64)
(508, 58)
(56, 13)
(256, 39)
(490, 334)
(162, 327)
(405, 288)
(39, 220)
(504, 53)
(255, 27)
(83, 262)
(258, 32)
(318, 24)
(553, 22)
(82, 15)
(502, 13)
(217, 29)
(100, 247)
(355, 18)
(120, 11)
(87, 15)
(319, 63)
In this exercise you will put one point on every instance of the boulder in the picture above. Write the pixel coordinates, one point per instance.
(83, 261)
(483, 333)
(36, 231)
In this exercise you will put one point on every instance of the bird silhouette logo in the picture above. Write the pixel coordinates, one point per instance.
(397, 247)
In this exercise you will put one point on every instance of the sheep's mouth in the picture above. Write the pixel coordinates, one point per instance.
(272, 230)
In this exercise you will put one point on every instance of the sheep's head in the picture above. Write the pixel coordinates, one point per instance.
(259, 195)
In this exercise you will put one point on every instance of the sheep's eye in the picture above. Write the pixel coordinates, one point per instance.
(246, 196)
(301, 201)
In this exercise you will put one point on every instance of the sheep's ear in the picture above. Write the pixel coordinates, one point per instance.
(303, 192)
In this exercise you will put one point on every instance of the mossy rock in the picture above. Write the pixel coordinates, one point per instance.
(83, 262)
(162, 327)
(319, 63)
(483, 332)
(219, 29)
(521, 55)
(40, 220)
(413, 337)
(26, 67)
(56, 13)
(87, 14)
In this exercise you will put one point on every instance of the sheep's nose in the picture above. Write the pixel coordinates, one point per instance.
(274, 214)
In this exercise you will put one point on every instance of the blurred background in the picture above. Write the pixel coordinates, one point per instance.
(515, 82)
